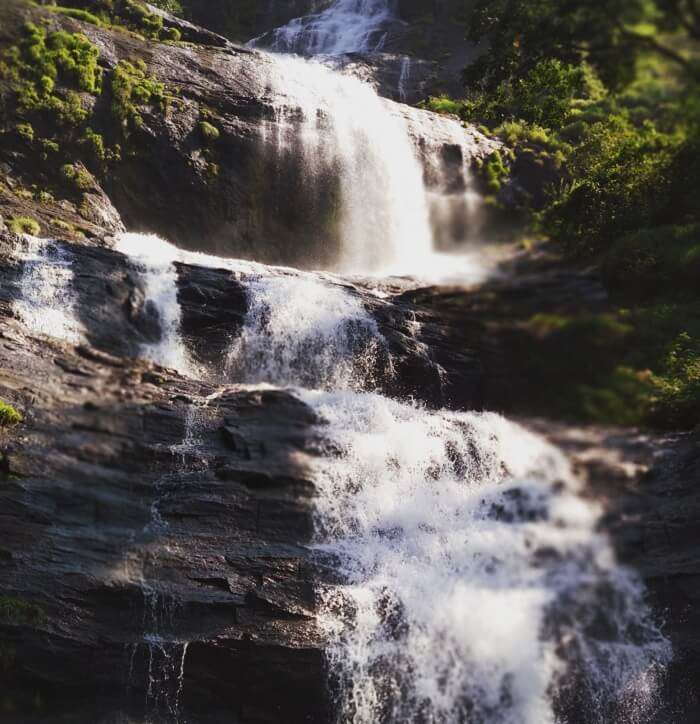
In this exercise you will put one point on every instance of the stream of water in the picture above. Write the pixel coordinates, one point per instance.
(475, 584)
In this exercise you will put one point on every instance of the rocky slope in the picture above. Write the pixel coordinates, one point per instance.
(231, 190)
(140, 509)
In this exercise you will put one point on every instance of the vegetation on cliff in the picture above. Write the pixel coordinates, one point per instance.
(601, 102)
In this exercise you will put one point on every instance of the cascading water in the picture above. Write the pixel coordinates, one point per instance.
(476, 583)
(346, 26)
(154, 259)
(303, 332)
(46, 302)
(391, 199)
(348, 133)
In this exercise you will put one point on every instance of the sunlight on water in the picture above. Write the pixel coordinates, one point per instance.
(475, 574)
(47, 299)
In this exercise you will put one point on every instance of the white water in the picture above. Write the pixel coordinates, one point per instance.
(346, 26)
(474, 573)
(46, 302)
(303, 332)
(154, 259)
(348, 132)
(477, 587)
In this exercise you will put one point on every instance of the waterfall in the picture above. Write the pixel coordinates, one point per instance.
(154, 258)
(476, 585)
(476, 582)
(348, 133)
(46, 302)
(303, 332)
(346, 26)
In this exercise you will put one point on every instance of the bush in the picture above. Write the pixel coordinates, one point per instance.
(650, 261)
(8, 415)
(443, 104)
(25, 225)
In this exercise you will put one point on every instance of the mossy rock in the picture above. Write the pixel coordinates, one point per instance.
(25, 225)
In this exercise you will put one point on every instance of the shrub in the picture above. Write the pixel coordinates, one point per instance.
(655, 260)
(444, 105)
(25, 225)
(209, 132)
(8, 415)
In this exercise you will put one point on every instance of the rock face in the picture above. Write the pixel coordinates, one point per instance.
(247, 192)
(142, 510)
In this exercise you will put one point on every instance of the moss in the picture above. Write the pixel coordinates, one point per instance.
(209, 132)
(138, 17)
(76, 13)
(25, 131)
(95, 144)
(40, 61)
(8, 415)
(78, 177)
(63, 225)
(49, 147)
(132, 90)
(25, 225)
(172, 34)
(17, 611)
(45, 197)
(495, 172)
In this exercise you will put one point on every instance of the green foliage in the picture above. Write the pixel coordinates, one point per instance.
(25, 131)
(76, 13)
(40, 61)
(637, 366)
(655, 260)
(78, 177)
(25, 225)
(96, 145)
(138, 17)
(16, 611)
(172, 34)
(132, 90)
(444, 104)
(610, 36)
(210, 133)
(495, 172)
(8, 415)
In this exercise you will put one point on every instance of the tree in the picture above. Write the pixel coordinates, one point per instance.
(608, 35)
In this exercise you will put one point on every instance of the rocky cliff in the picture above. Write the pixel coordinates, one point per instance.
(155, 528)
